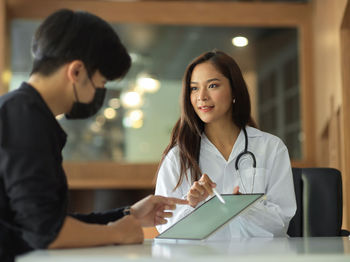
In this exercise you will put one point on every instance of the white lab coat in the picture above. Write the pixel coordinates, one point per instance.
(269, 218)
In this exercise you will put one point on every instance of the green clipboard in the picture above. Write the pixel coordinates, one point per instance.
(209, 217)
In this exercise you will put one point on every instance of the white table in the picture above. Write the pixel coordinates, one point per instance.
(327, 249)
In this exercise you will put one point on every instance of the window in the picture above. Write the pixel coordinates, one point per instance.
(140, 132)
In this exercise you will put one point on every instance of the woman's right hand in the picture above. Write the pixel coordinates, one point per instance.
(127, 230)
(200, 190)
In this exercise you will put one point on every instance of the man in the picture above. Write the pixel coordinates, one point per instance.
(75, 54)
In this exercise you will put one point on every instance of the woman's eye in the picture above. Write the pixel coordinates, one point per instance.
(213, 85)
(193, 88)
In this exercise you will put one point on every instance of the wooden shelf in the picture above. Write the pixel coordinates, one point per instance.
(110, 175)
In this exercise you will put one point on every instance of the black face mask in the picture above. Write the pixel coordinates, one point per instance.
(85, 110)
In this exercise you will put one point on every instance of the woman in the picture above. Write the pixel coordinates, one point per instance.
(214, 126)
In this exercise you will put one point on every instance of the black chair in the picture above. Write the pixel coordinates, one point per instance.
(319, 199)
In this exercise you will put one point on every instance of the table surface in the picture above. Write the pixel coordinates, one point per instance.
(249, 249)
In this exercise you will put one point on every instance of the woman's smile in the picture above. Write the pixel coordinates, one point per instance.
(206, 109)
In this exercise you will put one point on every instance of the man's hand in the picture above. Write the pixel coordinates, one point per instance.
(151, 210)
(127, 230)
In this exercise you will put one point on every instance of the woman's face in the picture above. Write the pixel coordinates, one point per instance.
(211, 94)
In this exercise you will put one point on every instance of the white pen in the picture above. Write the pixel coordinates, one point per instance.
(219, 196)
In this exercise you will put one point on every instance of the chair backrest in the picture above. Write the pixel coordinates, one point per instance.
(319, 199)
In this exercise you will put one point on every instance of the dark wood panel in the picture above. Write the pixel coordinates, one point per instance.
(3, 87)
(165, 12)
(345, 54)
(110, 175)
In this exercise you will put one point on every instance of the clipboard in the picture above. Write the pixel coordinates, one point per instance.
(209, 217)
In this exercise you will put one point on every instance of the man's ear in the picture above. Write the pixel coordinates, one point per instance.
(75, 70)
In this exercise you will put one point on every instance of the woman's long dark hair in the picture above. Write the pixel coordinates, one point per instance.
(187, 131)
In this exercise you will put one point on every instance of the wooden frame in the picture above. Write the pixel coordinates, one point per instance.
(345, 55)
(110, 175)
(3, 87)
(172, 12)
(189, 13)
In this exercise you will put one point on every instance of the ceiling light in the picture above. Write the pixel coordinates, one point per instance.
(239, 41)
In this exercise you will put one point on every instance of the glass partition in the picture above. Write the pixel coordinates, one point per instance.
(136, 120)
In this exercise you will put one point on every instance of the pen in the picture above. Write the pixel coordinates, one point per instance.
(219, 196)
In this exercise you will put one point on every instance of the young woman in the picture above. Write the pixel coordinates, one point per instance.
(207, 146)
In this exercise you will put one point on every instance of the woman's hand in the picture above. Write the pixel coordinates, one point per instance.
(151, 210)
(236, 191)
(200, 190)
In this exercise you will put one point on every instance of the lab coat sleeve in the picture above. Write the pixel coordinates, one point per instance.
(168, 175)
(271, 217)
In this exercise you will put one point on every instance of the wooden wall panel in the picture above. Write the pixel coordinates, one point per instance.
(107, 175)
(345, 61)
(165, 12)
(307, 98)
(3, 37)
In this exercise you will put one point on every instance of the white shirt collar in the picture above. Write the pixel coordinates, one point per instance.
(253, 132)
(238, 147)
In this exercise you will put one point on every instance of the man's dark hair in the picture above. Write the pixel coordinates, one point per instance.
(66, 36)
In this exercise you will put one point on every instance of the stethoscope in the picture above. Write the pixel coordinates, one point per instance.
(245, 152)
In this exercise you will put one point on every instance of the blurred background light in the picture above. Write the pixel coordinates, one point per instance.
(6, 77)
(114, 103)
(136, 115)
(131, 99)
(148, 84)
(240, 41)
(110, 113)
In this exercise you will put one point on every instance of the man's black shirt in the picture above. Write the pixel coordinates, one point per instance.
(33, 186)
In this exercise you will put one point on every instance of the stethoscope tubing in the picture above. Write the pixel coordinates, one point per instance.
(246, 152)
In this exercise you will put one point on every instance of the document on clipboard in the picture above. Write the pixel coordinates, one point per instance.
(209, 217)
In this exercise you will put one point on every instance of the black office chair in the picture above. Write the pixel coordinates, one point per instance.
(319, 199)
